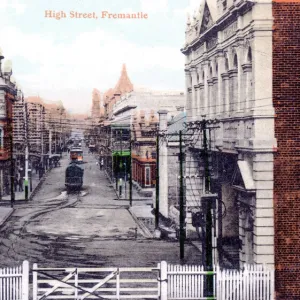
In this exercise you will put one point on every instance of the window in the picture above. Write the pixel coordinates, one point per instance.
(147, 176)
(235, 62)
(224, 4)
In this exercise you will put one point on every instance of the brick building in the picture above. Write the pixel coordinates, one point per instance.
(144, 150)
(286, 100)
(8, 95)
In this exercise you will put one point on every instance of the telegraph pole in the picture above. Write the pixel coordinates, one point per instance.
(26, 152)
(181, 199)
(130, 173)
(208, 213)
(12, 166)
(157, 184)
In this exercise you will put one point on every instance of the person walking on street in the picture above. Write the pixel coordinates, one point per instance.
(16, 181)
(101, 164)
(21, 184)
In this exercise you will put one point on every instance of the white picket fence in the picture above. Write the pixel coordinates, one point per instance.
(14, 282)
(254, 282)
(164, 282)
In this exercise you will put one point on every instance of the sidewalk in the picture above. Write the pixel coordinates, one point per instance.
(20, 196)
(5, 213)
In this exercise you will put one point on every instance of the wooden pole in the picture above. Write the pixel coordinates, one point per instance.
(181, 200)
(157, 184)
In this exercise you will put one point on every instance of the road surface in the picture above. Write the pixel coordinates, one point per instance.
(92, 228)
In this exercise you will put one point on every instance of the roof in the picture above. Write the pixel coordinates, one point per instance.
(34, 99)
(176, 125)
(124, 84)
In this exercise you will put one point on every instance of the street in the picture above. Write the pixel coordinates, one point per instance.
(90, 228)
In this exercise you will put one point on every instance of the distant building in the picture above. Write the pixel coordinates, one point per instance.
(131, 114)
(36, 128)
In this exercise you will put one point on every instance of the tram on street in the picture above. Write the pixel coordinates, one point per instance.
(74, 177)
(77, 155)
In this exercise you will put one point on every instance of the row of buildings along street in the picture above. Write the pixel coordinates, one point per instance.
(208, 175)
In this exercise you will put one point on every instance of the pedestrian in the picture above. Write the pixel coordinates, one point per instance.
(16, 182)
(21, 184)
(101, 164)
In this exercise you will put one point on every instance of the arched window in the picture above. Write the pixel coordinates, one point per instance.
(235, 62)
(226, 64)
(249, 56)
(210, 72)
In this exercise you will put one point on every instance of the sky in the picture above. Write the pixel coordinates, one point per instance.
(65, 59)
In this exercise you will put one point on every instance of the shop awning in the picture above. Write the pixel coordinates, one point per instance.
(119, 153)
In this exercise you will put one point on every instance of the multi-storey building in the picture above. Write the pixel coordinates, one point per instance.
(37, 137)
(144, 132)
(228, 70)
(19, 130)
(112, 96)
(131, 114)
(8, 95)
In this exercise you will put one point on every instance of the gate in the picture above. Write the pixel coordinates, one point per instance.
(95, 283)
(165, 282)
(14, 282)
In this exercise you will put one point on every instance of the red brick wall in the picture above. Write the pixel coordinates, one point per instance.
(286, 95)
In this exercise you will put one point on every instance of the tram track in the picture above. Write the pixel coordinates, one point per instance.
(14, 234)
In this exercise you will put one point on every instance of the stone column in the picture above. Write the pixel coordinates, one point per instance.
(210, 99)
(188, 94)
(221, 69)
(193, 101)
(206, 92)
(248, 101)
(201, 104)
(197, 110)
(215, 96)
(233, 91)
(163, 165)
(264, 215)
(225, 92)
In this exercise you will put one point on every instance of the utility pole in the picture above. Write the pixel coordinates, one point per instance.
(50, 142)
(130, 173)
(26, 152)
(181, 200)
(157, 184)
(12, 166)
(42, 143)
(208, 214)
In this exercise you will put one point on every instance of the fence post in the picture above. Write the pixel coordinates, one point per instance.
(25, 280)
(163, 280)
(34, 282)
(118, 284)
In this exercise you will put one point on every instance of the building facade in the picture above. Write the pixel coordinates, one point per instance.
(143, 135)
(286, 91)
(8, 96)
(228, 70)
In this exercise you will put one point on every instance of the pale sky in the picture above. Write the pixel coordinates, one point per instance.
(65, 59)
